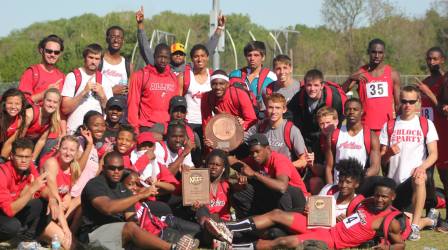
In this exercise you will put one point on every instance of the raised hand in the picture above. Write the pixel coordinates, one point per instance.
(140, 15)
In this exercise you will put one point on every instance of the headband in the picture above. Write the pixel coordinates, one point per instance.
(219, 76)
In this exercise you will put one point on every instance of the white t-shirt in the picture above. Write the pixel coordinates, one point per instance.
(409, 136)
(340, 208)
(115, 73)
(89, 102)
(193, 97)
(349, 146)
(160, 153)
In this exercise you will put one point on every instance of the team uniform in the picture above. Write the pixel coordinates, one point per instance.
(219, 201)
(193, 96)
(330, 189)
(377, 98)
(63, 181)
(36, 129)
(165, 156)
(235, 102)
(149, 96)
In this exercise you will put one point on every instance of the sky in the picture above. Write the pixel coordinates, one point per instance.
(272, 14)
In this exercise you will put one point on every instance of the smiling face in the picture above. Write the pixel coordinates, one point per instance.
(283, 72)
(200, 59)
(409, 103)
(68, 150)
(114, 114)
(314, 88)
(383, 198)
(51, 102)
(13, 105)
(125, 141)
(115, 40)
(347, 185)
(97, 126)
(51, 53)
(219, 87)
(327, 124)
(275, 110)
(132, 182)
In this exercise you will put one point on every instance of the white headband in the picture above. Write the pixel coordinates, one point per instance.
(219, 76)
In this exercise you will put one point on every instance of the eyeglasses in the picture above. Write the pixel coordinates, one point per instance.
(50, 51)
(411, 102)
(115, 168)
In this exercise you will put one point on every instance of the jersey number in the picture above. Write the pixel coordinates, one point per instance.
(351, 220)
(377, 89)
(428, 113)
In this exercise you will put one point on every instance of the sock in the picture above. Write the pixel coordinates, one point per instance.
(243, 246)
(242, 226)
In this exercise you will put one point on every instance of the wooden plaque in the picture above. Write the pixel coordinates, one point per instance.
(196, 186)
(322, 211)
(224, 131)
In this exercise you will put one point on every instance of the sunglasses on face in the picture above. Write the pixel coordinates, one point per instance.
(404, 101)
(114, 168)
(50, 51)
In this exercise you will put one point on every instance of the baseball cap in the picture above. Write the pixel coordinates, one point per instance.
(178, 101)
(258, 139)
(145, 137)
(177, 47)
(115, 101)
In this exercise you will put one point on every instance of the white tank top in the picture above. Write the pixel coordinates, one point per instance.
(350, 146)
(193, 97)
(116, 73)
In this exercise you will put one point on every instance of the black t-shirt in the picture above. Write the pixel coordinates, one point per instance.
(96, 187)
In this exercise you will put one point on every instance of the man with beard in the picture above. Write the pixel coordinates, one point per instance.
(352, 140)
(39, 77)
(378, 87)
(85, 89)
(151, 90)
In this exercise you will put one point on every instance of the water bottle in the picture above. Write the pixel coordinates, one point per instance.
(55, 242)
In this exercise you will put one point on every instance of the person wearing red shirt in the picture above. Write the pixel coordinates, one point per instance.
(271, 174)
(45, 75)
(150, 91)
(24, 197)
(224, 98)
(378, 87)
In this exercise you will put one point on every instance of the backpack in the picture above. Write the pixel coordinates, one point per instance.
(383, 235)
(242, 81)
(78, 78)
(187, 78)
(127, 65)
(330, 89)
(286, 133)
(235, 99)
(366, 135)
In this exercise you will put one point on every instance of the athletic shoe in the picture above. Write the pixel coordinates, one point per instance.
(221, 245)
(415, 234)
(219, 230)
(187, 242)
(434, 216)
(29, 245)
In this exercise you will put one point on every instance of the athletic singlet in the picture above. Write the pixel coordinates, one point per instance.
(36, 129)
(428, 110)
(116, 73)
(377, 97)
(356, 228)
(63, 180)
(193, 97)
(219, 203)
(13, 127)
(349, 146)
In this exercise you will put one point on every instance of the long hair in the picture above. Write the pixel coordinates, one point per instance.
(55, 121)
(75, 168)
(6, 119)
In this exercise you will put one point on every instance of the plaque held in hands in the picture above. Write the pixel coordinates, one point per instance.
(195, 186)
(224, 131)
(321, 211)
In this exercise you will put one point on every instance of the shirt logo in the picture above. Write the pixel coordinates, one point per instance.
(350, 145)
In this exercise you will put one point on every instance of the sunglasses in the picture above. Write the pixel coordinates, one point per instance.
(412, 102)
(114, 168)
(50, 51)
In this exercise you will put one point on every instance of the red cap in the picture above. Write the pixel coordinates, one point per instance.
(145, 137)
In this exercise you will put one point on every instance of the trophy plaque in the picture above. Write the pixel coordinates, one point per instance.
(322, 211)
(225, 132)
(196, 186)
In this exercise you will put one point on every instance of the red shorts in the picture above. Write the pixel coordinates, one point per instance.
(299, 226)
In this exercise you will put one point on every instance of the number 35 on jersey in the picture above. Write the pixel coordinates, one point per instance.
(377, 89)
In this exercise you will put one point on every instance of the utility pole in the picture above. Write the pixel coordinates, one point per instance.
(214, 13)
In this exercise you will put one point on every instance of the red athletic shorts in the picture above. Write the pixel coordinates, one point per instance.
(299, 226)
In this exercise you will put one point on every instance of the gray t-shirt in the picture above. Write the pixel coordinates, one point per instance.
(287, 92)
(276, 138)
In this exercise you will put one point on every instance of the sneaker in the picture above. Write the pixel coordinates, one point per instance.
(221, 245)
(434, 216)
(219, 230)
(415, 234)
(187, 242)
(29, 245)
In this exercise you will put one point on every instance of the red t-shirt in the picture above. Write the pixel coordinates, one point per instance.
(149, 96)
(235, 102)
(39, 82)
(377, 98)
(276, 165)
(11, 184)
(219, 202)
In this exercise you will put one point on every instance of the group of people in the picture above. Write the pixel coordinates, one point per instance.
(95, 157)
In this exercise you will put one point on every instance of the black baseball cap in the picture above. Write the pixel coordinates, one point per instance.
(115, 101)
(258, 139)
(178, 101)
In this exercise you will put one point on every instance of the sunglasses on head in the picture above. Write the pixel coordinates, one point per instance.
(114, 168)
(412, 102)
(50, 51)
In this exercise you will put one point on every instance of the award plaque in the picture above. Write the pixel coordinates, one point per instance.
(196, 186)
(225, 132)
(321, 211)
